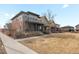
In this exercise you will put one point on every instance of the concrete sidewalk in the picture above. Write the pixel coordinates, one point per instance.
(14, 47)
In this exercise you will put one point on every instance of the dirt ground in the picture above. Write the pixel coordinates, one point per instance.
(55, 43)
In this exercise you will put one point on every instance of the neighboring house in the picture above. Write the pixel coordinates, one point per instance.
(5, 31)
(54, 27)
(0, 29)
(77, 28)
(67, 29)
(58, 29)
(57, 25)
(7, 26)
(45, 24)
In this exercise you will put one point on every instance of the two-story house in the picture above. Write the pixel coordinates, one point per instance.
(28, 22)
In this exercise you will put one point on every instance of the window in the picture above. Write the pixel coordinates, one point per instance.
(39, 28)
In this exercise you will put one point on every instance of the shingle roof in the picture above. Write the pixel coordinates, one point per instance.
(22, 12)
(67, 26)
(77, 25)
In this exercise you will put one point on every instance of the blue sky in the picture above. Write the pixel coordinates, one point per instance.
(65, 14)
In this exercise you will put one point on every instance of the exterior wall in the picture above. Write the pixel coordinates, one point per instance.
(33, 27)
(25, 23)
(52, 23)
(31, 18)
(29, 27)
(30, 22)
(5, 31)
(57, 25)
(50, 26)
(77, 28)
(0, 30)
(55, 29)
(67, 29)
(26, 19)
(17, 25)
(44, 20)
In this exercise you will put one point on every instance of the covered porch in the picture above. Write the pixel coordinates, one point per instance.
(31, 27)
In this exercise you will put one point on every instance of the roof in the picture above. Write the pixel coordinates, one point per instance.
(33, 13)
(22, 12)
(45, 20)
(18, 15)
(77, 25)
(57, 24)
(67, 27)
(52, 23)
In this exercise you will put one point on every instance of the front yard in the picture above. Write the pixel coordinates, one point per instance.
(54, 43)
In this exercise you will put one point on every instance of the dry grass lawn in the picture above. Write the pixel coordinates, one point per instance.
(2, 48)
(55, 43)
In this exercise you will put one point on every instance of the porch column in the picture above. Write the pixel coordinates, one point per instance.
(35, 27)
(42, 28)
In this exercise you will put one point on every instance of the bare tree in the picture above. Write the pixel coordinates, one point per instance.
(49, 14)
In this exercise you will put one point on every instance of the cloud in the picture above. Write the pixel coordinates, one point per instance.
(65, 6)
